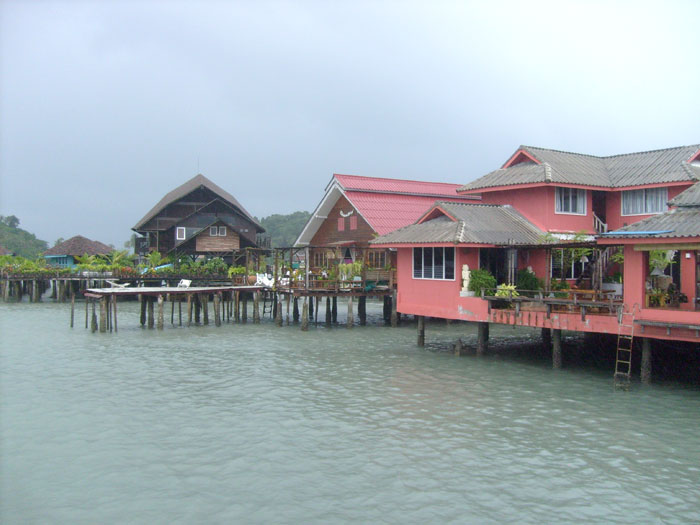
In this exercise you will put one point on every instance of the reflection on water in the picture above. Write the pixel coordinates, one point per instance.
(259, 424)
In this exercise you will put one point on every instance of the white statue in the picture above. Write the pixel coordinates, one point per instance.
(465, 277)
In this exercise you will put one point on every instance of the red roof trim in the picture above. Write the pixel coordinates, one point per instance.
(520, 156)
(438, 244)
(428, 215)
(695, 157)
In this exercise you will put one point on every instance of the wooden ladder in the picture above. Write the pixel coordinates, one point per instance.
(625, 341)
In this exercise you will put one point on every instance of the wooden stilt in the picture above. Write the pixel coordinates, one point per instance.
(316, 311)
(421, 330)
(237, 307)
(179, 311)
(197, 308)
(87, 303)
(103, 315)
(305, 316)
(459, 347)
(143, 301)
(362, 309)
(645, 372)
(108, 306)
(114, 306)
(547, 338)
(289, 300)
(295, 310)
(394, 312)
(172, 311)
(334, 309)
(280, 315)
(556, 349)
(482, 341)
(244, 309)
(328, 311)
(151, 320)
(351, 317)
(256, 307)
(205, 307)
(217, 309)
(72, 309)
(160, 312)
(189, 309)
(94, 316)
(311, 306)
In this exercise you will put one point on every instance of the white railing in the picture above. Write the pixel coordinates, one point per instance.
(598, 225)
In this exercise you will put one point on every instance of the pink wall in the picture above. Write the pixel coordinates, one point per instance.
(537, 205)
(613, 208)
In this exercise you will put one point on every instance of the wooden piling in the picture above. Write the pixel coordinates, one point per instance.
(328, 311)
(143, 300)
(237, 307)
(103, 315)
(334, 309)
(362, 309)
(316, 311)
(151, 320)
(244, 308)
(295, 310)
(547, 339)
(189, 309)
(94, 317)
(394, 312)
(179, 311)
(279, 320)
(72, 309)
(160, 311)
(289, 300)
(421, 330)
(256, 307)
(6, 291)
(172, 310)
(197, 308)
(204, 298)
(351, 317)
(459, 347)
(87, 303)
(556, 349)
(645, 372)
(114, 306)
(311, 306)
(305, 316)
(482, 338)
(217, 309)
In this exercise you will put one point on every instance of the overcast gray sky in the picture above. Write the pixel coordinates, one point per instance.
(106, 106)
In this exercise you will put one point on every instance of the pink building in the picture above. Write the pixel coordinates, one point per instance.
(551, 213)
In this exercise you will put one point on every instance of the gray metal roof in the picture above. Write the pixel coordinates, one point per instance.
(679, 222)
(187, 188)
(617, 171)
(474, 224)
(690, 197)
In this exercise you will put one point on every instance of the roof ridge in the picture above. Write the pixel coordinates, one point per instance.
(562, 151)
(394, 179)
(697, 146)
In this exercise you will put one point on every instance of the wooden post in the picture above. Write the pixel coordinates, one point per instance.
(108, 306)
(172, 310)
(311, 306)
(280, 316)
(204, 299)
(334, 309)
(72, 309)
(94, 317)
(556, 349)
(394, 312)
(151, 320)
(459, 347)
(179, 310)
(189, 309)
(237, 306)
(244, 313)
(256, 307)
(351, 318)
(197, 308)
(143, 300)
(362, 309)
(328, 311)
(217, 309)
(305, 316)
(421, 330)
(316, 312)
(295, 310)
(160, 311)
(6, 290)
(36, 291)
(103, 314)
(114, 305)
(289, 300)
(645, 373)
(547, 338)
(87, 303)
(482, 339)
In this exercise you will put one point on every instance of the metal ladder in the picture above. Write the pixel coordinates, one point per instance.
(625, 341)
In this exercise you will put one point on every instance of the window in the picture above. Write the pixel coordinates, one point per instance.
(213, 231)
(341, 224)
(180, 233)
(353, 222)
(570, 200)
(573, 268)
(222, 231)
(434, 263)
(376, 258)
(645, 201)
(320, 259)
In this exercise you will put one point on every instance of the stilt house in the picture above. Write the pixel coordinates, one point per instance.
(64, 254)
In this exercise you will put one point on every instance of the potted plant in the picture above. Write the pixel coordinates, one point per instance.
(481, 280)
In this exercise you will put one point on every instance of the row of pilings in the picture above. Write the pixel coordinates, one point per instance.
(190, 308)
(14, 290)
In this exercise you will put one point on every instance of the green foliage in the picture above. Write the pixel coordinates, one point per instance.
(506, 290)
(618, 256)
(216, 266)
(236, 270)
(10, 221)
(154, 259)
(284, 229)
(660, 259)
(349, 270)
(19, 241)
(481, 278)
(527, 280)
(558, 286)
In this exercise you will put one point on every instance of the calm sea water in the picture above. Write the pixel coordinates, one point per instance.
(259, 424)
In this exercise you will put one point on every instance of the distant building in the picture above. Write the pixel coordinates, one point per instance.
(355, 209)
(199, 218)
(64, 254)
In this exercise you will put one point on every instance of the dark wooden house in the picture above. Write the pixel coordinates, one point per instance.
(201, 219)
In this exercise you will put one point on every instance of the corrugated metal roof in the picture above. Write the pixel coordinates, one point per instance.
(188, 187)
(386, 212)
(616, 171)
(367, 184)
(79, 245)
(475, 224)
(689, 197)
(680, 222)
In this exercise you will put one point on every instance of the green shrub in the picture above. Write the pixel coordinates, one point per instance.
(527, 280)
(479, 279)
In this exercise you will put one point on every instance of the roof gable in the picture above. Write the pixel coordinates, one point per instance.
(199, 181)
(79, 245)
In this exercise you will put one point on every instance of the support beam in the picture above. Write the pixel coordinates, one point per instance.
(328, 311)
(103, 315)
(256, 307)
(645, 373)
(556, 349)
(351, 317)
(295, 310)
(142, 317)
(421, 330)
(205, 307)
(151, 320)
(160, 311)
(114, 305)
(189, 309)
(217, 309)
(362, 309)
(93, 323)
(305, 316)
(244, 309)
(72, 309)
(482, 338)
(280, 316)
(334, 310)
(394, 312)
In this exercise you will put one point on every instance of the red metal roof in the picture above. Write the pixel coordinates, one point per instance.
(385, 212)
(372, 184)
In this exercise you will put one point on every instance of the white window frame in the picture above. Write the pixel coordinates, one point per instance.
(578, 191)
(222, 231)
(444, 248)
(644, 199)
(570, 273)
(180, 230)
(213, 231)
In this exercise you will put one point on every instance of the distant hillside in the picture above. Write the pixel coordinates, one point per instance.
(284, 229)
(20, 241)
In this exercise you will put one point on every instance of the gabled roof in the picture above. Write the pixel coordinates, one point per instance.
(79, 245)
(488, 224)
(689, 197)
(199, 181)
(679, 222)
(616, 171)
(386, 204)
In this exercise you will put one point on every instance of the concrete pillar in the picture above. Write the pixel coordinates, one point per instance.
(421, 330)
(482, 340)
(645, 374)
(556, 349)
